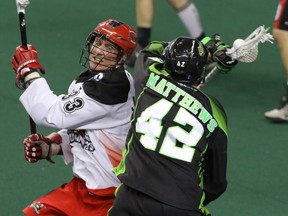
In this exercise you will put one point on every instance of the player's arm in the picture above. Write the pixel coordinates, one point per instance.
(215, 182)
(156, 49)
(56, 111)
(37, 147)
(217, 50)
(153, 53)
(75, 110)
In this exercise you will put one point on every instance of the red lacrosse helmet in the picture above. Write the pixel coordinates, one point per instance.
(118, 33)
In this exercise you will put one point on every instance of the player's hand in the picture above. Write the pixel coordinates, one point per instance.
(157, 49)
(212, 43)
(217, 49)
(25, 64)
(37, 147)
(224, 62)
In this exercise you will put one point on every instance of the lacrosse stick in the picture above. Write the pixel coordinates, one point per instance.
(246, 50)
(21, 5)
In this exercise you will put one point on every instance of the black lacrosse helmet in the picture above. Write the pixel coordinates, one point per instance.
(186, 60)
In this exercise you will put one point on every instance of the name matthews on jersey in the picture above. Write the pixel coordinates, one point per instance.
(182, 98)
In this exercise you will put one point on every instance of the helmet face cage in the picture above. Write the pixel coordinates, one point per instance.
(87, 56)
(186, 59)
(121, 35)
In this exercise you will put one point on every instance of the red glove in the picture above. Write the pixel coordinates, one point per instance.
(25, 62)
(37, 147)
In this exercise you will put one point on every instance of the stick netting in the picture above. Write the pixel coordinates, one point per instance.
(248, 52)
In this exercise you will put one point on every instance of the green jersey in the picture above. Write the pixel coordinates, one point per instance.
(176, 150)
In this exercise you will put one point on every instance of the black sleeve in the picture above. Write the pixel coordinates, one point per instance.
(215, 182)
(149, 55)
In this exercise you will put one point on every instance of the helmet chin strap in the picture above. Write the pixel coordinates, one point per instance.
(122, 59)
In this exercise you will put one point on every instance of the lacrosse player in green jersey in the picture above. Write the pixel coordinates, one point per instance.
(175, 157)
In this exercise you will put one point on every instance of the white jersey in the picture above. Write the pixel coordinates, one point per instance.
(94, 117)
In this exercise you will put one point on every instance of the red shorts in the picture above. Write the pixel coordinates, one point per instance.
(73, 199)
(281, 17)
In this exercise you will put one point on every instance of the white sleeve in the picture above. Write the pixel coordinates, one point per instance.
(73, 111)
(65, 146)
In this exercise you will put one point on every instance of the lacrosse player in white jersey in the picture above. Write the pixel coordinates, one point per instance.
(93, 119)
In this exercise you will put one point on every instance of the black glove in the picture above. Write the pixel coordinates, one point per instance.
(212, 43)
(224, 62)
(217, 49)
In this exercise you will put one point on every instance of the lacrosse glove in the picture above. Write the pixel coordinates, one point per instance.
(38, 146)
(217, 50)
(25, 64)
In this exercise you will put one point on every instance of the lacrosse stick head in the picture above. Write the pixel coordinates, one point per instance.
(21, 5)
(247, 57)
(248, 51)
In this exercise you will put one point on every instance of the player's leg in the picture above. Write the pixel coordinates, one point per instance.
(144, 20)
(280, 33)
(130, 202)
(73, 197)
(281, 36)
(37, 208)
(190, 17)
(49, 204)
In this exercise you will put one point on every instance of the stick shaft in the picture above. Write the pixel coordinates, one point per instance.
(208, 77)
(22, 25)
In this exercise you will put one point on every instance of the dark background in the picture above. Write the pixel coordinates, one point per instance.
(257, 148)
